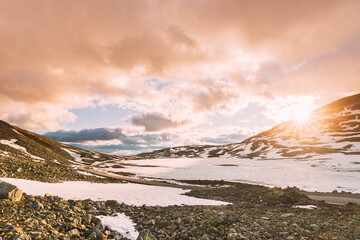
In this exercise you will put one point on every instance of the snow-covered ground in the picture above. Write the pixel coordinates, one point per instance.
(75, 156)
(122, 224)
(326, 173)
(130, 193)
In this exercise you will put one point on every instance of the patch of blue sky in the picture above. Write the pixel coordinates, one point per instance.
(100, 116)
(225, 80)
(111, 149)
(157, 83)
(250, 117)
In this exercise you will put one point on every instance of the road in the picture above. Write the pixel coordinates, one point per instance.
(335, 198)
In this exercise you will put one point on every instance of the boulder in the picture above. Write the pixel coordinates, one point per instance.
(36, 205)
(111, 203)
(9, 191)
(74, 234)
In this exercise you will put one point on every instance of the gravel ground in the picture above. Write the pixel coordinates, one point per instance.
(44, 172)
(256, 213)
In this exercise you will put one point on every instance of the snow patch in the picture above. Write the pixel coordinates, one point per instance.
(74, 155)
(345, 112)
(11, 143)
(305, 206)
(17, 132)
(122, 224)
(130, 193)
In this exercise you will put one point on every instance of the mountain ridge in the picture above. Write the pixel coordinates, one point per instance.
(331, 129)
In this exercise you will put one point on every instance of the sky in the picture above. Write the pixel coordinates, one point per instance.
(125, 77)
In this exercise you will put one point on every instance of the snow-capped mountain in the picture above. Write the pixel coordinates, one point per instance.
(331, 129)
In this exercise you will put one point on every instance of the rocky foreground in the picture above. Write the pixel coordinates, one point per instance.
(256, 213)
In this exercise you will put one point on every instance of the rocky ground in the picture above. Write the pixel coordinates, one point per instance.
(44, 172)
(256, 213)
(51, 217)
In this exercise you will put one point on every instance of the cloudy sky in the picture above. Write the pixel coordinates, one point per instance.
(130, 76)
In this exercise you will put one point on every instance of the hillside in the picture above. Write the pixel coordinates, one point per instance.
(332, 131)
(32, 156)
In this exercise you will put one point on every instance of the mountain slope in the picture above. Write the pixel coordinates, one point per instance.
(29, 155)
(331, 131)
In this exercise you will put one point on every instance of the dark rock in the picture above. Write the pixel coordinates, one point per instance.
(9, 191)
(111, 203)
(36, 205)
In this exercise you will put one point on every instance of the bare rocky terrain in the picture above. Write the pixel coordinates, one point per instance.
(256, 213)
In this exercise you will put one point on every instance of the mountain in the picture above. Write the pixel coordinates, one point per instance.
(29, 155)
(330, 131)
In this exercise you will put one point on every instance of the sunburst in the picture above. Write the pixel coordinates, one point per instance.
(301, 114)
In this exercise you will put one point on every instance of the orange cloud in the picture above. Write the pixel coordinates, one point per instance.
(66, 54)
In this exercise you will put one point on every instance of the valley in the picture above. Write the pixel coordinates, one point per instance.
(270, 186)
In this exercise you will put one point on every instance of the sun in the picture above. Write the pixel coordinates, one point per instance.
(301, 114)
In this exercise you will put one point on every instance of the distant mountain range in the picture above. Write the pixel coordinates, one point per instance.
(331, 129)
